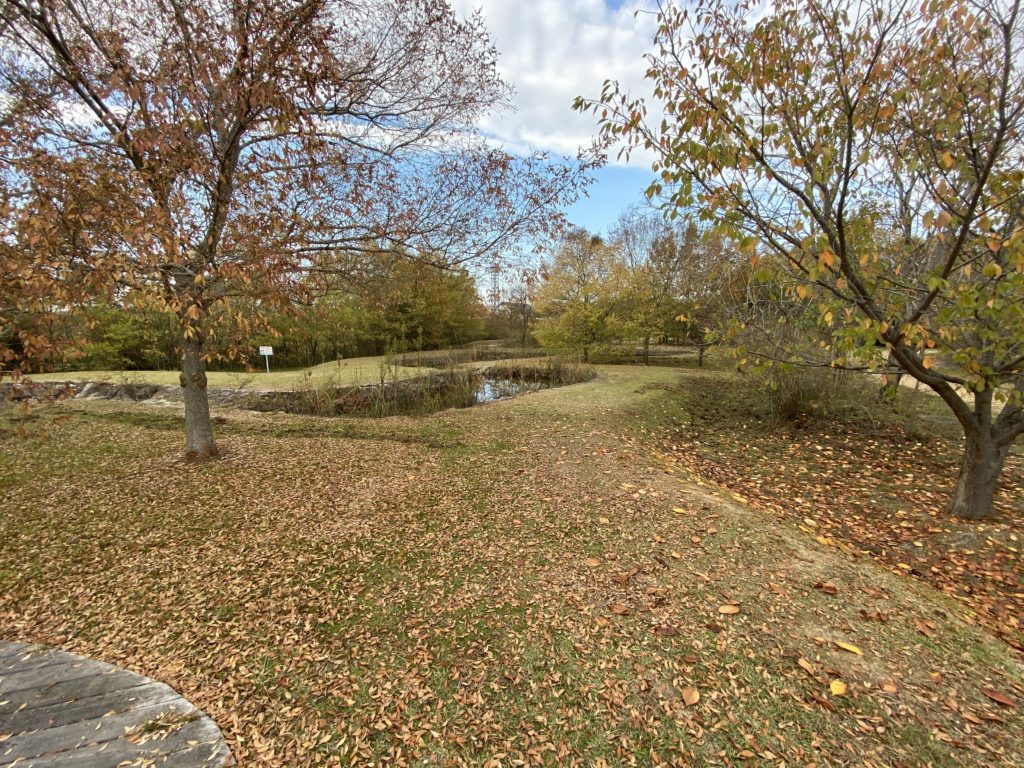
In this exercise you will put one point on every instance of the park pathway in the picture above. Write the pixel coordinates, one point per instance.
(59, 709)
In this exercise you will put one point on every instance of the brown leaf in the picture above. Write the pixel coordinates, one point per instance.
(619, 609)
(805, 665)
(592, 562)
(728, 609)
(999, 698)
(690, 695)
(874, 615)
(623, 578)
(665, 630)
(824, 702)
(926, 628)
(827, 587)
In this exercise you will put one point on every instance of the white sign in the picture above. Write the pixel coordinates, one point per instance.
(266, 351)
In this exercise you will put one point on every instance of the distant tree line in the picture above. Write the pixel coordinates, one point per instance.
(402, 306)
(650, 280)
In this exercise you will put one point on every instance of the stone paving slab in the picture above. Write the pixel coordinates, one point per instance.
(58, 709)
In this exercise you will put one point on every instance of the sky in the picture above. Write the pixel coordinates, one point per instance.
(552, 51)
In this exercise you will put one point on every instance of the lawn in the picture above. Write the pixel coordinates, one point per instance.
(522, 583)
(356, 370)
(876, 478)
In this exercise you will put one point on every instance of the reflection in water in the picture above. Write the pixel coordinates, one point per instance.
(493, 388)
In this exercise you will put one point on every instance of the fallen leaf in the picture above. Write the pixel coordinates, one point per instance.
(838, 688)
(592, 562)
(729, 608)
(690, 695)
(874, 615)
(926, 628)
(827, 587)
(619, 609)
(850, 647)
(665, 630)
(805, 665)
(999, 698)
(623, 578)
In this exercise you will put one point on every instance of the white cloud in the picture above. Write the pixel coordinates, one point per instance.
(552, 51)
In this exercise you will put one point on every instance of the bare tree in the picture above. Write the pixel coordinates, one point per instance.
(192, 151)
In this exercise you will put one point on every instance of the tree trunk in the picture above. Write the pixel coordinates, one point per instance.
(979, 472)
(701, 349)
(199, 443)
(647, 350)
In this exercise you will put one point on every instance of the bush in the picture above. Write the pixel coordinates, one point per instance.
(794, 391)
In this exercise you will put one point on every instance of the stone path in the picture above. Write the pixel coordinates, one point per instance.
(59, 709)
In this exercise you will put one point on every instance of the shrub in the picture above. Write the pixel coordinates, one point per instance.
(792, 391)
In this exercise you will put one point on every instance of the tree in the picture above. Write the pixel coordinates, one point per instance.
(646, 245)
(684, 281)
(869, 157)
(198, 151)
(579, 296)
(713, 287)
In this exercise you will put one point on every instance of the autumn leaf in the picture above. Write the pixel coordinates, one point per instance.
(827, 587)
(592, 562)
(838, 688)
(849, 647)
(729, 609)
(619, 609)
(999, 698)
(690, 695)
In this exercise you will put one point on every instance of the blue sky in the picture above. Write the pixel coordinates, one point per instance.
(615, 188)
(552, 51)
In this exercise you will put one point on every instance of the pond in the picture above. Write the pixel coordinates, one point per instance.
(459, 388)
(493, 388)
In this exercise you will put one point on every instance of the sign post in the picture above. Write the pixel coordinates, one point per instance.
(267, 352)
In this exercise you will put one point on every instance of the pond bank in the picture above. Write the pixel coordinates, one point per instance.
(456, 388)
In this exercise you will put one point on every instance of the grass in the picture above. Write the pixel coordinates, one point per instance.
(875, 476)
(357, 370)
(521, 583)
